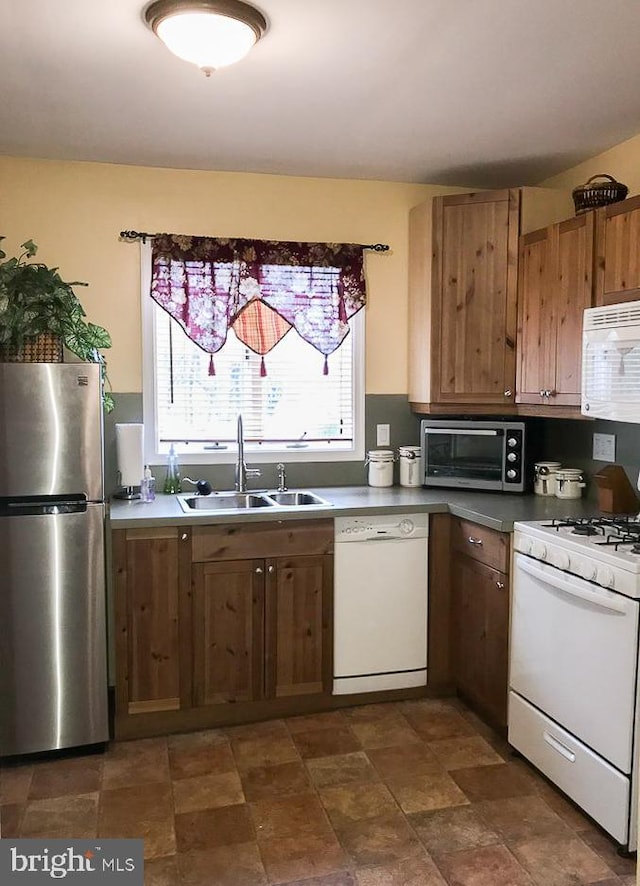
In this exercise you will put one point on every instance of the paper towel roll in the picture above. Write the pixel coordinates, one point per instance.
(130, 453)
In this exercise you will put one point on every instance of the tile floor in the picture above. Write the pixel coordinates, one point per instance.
(411, 794)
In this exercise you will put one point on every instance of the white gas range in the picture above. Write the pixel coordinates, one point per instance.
(573, 680)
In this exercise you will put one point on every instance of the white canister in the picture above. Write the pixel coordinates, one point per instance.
(569, 483)
(380, 463)
(545, 477)
(409, 458)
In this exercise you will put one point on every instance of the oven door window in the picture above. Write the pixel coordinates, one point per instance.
(464, 455)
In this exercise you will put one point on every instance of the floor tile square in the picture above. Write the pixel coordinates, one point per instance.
(326, 742)
(307, 722)
(209, 828)
(382, 840)
(425, 792)
(162, 872)
(128, 763)
(15, 782)
(301, 857)
(207, 792)
(494, 782)
(264, 750)
(406, 761)
(290, 816)
(464, 752)
(386, 733)
(452, 830)
(341, 769)
(76, 775)
(274, 781)
(11, 819)
(522, 818)
(195, 758)
(143, 811)
(561, 861)
(417, 871)
(486, 866)
(357, 802)
(62, 817)
(236, 865)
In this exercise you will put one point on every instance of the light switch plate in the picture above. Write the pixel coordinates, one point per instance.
(604, 447)
(383, 435)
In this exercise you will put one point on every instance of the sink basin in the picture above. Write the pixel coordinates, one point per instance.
(297, 499)
(225, 501)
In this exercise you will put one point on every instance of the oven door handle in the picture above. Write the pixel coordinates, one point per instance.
(464, 432)
(572, 588)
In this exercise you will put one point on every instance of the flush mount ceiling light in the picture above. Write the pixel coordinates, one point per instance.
(209, 33)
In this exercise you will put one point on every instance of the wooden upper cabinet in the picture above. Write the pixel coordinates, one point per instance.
(555, 286)
(151, 578)
(471, 306)
(617, 275)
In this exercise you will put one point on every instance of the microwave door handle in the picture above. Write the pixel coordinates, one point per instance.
(571, 588)
(464, 432)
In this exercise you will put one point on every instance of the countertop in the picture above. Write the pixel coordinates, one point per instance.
(495, 510)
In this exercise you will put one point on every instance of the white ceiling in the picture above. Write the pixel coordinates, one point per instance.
(479, 93)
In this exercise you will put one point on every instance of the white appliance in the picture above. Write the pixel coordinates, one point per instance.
(573, 681)
(380, 605)
(611, 362)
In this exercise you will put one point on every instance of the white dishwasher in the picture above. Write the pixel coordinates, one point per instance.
(380, 602)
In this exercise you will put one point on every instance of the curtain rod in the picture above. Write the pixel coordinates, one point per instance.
(130, 236)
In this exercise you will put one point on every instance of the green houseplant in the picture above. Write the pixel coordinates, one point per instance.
(35, 300)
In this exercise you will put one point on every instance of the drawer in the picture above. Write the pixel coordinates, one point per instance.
(587, 778)
(485, 545)
(239, 541)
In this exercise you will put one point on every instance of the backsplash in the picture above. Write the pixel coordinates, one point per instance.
(391, 409)
(571, 443)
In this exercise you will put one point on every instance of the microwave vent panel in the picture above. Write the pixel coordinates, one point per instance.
(611, 316)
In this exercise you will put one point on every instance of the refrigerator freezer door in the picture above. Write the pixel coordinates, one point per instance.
(53, 674)
(50, 430)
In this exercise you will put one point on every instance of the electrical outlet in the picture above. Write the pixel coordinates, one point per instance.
(383, 435)
(604, 447)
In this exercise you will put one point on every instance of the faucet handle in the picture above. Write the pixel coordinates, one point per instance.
(252, 472)
(282, 478)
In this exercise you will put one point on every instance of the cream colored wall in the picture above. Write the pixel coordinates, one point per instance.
(75, 211)
(621, 161)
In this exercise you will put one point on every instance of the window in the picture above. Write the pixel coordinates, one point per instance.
(294, 412)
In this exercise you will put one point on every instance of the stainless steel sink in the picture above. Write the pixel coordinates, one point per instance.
(225, 501)
(297, 499)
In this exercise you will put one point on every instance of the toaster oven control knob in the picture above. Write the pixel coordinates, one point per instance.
(605, 577)
(512, 442)
(512, 456)
(539, 551)
(511, 474)
(588, 570)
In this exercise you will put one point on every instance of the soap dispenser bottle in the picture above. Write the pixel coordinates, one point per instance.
(172, 481)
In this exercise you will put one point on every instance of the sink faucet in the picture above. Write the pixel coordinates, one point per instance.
(282, 477)
(242, 471)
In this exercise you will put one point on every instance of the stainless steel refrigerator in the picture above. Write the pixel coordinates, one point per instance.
(53, 660)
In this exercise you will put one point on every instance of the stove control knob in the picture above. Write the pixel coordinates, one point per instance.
(587, 570)
(406, 527)
(560, 559)
(605, 577)
(538, 550)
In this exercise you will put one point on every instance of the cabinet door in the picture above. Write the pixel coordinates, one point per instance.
(555, 286)
(617, 275)
(536, 310)
(151, 579)
(479, 636)
(474, 285)
(299, 645)
(228, 627)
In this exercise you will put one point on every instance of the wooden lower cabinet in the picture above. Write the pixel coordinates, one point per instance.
(228, 632)
(201, 625)
(479, 636)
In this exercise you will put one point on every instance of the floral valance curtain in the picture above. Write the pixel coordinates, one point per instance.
(259, 288)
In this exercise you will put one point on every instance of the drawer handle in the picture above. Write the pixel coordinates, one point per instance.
(474, 541)
(559, 747)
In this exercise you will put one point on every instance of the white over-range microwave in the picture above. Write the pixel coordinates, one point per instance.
(611, 362)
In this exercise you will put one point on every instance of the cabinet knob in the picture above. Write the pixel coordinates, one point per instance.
(184, 536)
(508, 392)
(500, 585)
(270, 569)
(258, 570)
(474, 541)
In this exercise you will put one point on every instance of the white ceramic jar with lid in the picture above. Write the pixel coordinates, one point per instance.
(409, 458)
(380, 463)
(569, 483)
(545, 477)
